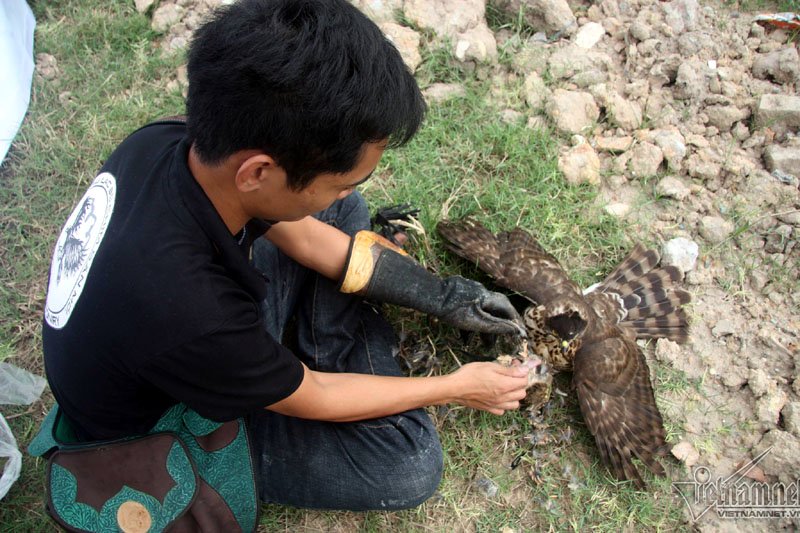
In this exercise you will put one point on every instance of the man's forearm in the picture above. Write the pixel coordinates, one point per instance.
(344, 397)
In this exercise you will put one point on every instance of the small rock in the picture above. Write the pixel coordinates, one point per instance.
(406, 41)
(572, 60)
(616, 181)
(783, 460)
(759, 383)
(791, 417)
(379, 11)
(589, 35)
(618, 210)
(588, 78)
(580, 164)
(572, 111)
(691, 82)
(624, 113)
(724, 327)
(446, 18)
(702, 168)
(724, 117)
(769, 406)
(532, 57)
(672, 187)
(782, 66)
(668, 351)
(672, 145)
(681, 15)
(778, 112)
(715, 229)
(792, 218)
(645, 160)
(179, 42)
(680, 252)
(700, 43)
(785, 159)
(686, 453)
(640, 30)
(166, 16)
(759, 280)
(46, 66)
(511, 116)
(775, 297)
(740, 131)
(550, 16)
(614, 145)
(536, 92)
(476, 44)
(697, 141)
(439, 92)
(143, 5)
(738, 165)
(734, 376)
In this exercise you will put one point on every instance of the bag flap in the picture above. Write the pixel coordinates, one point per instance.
(143, 484)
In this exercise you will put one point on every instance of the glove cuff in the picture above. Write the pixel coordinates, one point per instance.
(366, 247)
(381, 271)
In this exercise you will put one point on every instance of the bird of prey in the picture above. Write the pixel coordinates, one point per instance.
(591, 333)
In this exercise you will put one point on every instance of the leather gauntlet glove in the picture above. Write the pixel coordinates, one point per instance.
(380, 271)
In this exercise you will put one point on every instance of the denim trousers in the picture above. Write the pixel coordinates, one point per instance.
(381, 464)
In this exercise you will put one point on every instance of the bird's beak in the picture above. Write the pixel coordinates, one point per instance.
(522, 331)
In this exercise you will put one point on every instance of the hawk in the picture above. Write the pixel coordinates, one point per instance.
(591, 333)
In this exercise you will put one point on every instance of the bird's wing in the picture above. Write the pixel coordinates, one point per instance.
(514, 259)
(617, 401)
(469, 239)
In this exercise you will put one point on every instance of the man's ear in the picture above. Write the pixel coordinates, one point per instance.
(255, 171)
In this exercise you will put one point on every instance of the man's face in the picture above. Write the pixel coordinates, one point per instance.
(282, 203)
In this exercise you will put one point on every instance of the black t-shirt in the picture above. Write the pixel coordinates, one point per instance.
(152, 302)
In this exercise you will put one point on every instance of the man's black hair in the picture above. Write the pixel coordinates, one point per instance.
(307, 82)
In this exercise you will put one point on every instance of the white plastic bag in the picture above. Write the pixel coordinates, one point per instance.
(18, 386)
(8, 449)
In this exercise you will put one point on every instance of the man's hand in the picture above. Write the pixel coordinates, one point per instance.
(468, 305)
(490, 386)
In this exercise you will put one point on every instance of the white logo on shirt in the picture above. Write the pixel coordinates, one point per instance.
(76, 248)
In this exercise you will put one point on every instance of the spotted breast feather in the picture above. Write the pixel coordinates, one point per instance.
(591, 333)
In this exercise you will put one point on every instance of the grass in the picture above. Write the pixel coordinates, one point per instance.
(113, 79)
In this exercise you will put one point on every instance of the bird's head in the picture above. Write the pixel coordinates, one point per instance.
(567, 326)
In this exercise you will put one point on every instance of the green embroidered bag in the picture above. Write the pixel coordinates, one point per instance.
(187, 474)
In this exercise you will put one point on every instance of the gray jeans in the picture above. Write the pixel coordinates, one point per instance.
(388, 463)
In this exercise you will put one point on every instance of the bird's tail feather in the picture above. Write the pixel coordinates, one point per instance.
(650, 296)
